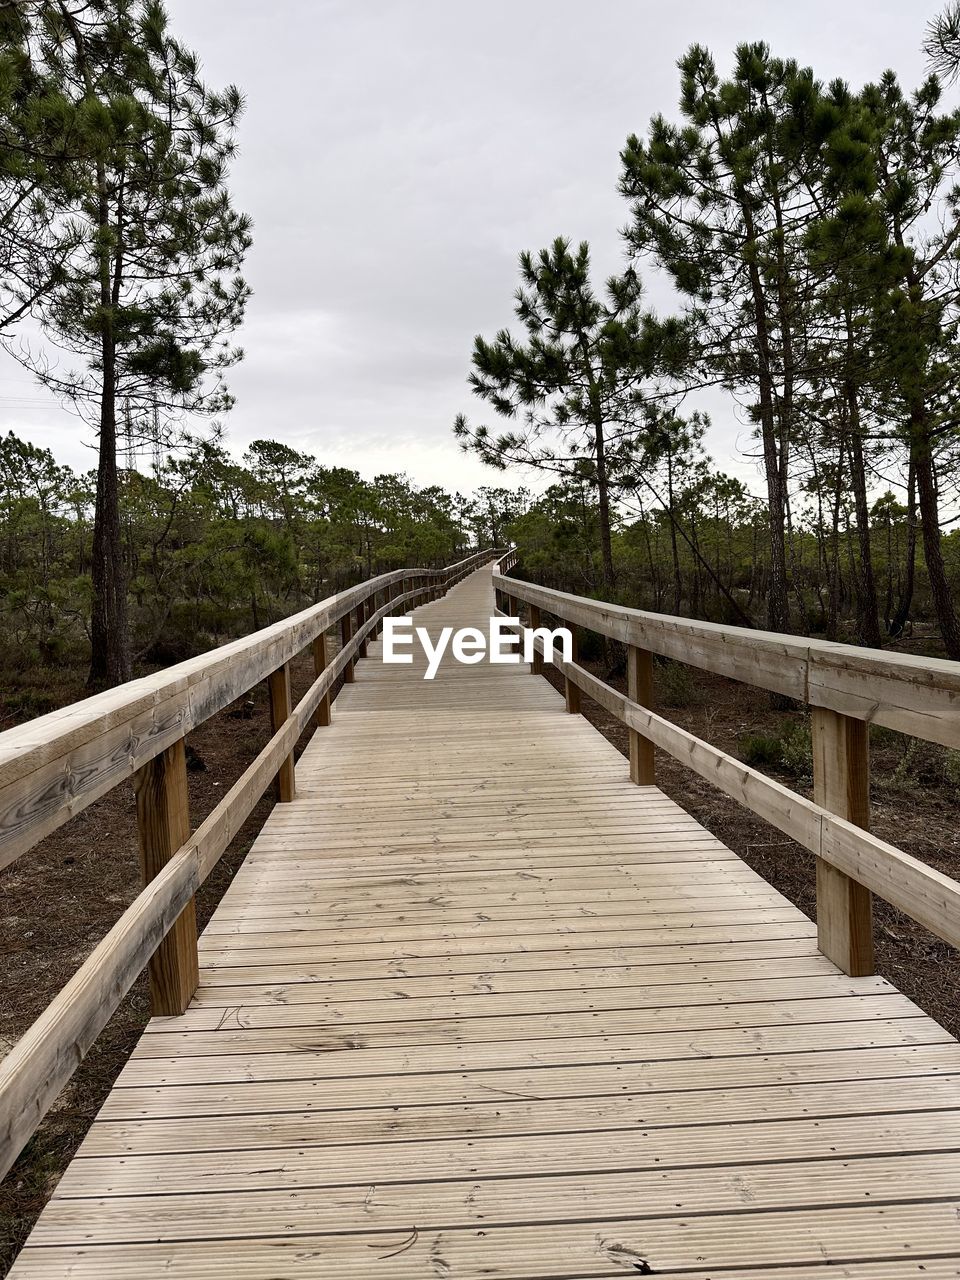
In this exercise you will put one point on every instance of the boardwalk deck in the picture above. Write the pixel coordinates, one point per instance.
(476, 1005)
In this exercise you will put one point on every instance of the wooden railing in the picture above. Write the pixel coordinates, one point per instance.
(53, 767)
(847, 689)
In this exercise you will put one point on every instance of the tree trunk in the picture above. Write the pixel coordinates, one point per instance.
(603, 507)
(898, 617)
(778, 604)
(109, 630)
(928, 503)
(868, 608)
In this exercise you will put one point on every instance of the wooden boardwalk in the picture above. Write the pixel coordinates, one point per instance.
(477, 1006)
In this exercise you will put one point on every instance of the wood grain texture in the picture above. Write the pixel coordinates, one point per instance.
(841, 783)
(163, 827)
(915, 695)
(491, 1009)
(927, 895)
(323, 714)
(39, 1065)
(640, 690)
(281, 705)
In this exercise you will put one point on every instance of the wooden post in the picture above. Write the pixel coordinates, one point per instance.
(346, 632)
(281, 704)
(322, 716)
(640, 690)
(571, 692)
(536, 666)
(362, 614)
(163, 826)
(841, 783)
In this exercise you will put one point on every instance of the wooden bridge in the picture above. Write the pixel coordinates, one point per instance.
(482, 1001)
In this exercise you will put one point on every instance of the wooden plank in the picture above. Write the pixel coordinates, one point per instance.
(640, 690)
(163, 826)
(915, 695)
(319, 1063)
(281, 706)
(823, 1239)
(781, 1071)
(320, 659)
(43, 1060)
(684, 1147)
(841, 783)
(549, 1199)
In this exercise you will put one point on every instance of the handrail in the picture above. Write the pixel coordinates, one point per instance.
(917, 696)
(52, 767)
(847, 688)
(159, 926)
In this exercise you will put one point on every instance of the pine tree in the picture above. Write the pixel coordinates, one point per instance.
(39, 140)
(907, 260)
(575, 384)
(152, 290)
(721, 202)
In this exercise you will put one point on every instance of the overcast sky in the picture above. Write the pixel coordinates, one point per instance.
(396, 155)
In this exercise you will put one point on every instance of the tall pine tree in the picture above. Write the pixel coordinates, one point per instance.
(152, 290)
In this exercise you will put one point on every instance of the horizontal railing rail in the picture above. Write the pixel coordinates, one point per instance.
(917, 696)
(847, 688)
(57, 764)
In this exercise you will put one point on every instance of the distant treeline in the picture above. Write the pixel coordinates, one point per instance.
(213, 547)
(216, 547)
(706, 554)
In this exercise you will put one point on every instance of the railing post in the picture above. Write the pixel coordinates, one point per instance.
(163, 826)
(362, 615)
(536, 665)
(281, 704)
(346, 632)
(640, 690)
(571, 692)
(841, 783)
(375, 606)
(322, 715)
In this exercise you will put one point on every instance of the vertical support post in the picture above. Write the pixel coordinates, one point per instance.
(571, 692)
(163, 826)
(281, 704)
(536, 666)
(346, 632)
(841, 783)
(363, 613)
(640, 690)
(322, 716)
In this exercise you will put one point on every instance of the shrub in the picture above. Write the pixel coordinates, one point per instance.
(789, 749)
(676, 686)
